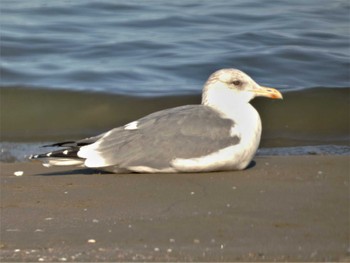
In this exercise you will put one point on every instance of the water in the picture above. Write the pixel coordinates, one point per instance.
(71, 69)
(153, 48)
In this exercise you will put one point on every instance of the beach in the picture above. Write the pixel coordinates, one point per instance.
(282, 208)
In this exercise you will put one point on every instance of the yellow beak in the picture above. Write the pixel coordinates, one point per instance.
(268, 92)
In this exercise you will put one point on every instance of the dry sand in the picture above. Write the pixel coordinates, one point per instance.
(283, 208)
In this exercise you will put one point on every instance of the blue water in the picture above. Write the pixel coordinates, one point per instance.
(170, 47)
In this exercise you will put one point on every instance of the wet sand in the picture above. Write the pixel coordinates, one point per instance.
(283, 208)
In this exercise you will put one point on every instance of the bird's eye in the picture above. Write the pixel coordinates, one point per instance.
(237, 82)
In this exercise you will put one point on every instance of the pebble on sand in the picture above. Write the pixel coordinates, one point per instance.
(18, 173)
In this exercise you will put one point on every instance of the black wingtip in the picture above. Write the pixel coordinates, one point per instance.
(34, 156)
(60, 144)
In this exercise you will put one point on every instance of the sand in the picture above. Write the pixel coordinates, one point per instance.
(283, 208)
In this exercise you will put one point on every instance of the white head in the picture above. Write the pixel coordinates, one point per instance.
(232, 86)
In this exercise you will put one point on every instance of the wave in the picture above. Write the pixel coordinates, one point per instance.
(314, 116)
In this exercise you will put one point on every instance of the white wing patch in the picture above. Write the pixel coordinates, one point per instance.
(234, 132)
(95, 161)
(131, 126)
(91, 154)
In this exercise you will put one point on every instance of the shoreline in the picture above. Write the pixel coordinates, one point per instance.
(284, 208)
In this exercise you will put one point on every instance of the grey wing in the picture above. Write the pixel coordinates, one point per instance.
(182, 132)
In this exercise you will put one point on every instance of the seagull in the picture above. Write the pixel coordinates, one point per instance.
(222, 133)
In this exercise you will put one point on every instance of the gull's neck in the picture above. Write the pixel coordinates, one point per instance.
(229, 103)
(235, 105)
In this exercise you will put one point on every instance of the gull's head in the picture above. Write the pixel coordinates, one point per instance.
(234, 86)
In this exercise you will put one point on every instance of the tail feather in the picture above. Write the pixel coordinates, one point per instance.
(48, 162)
(67, 156)
(64, 157)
